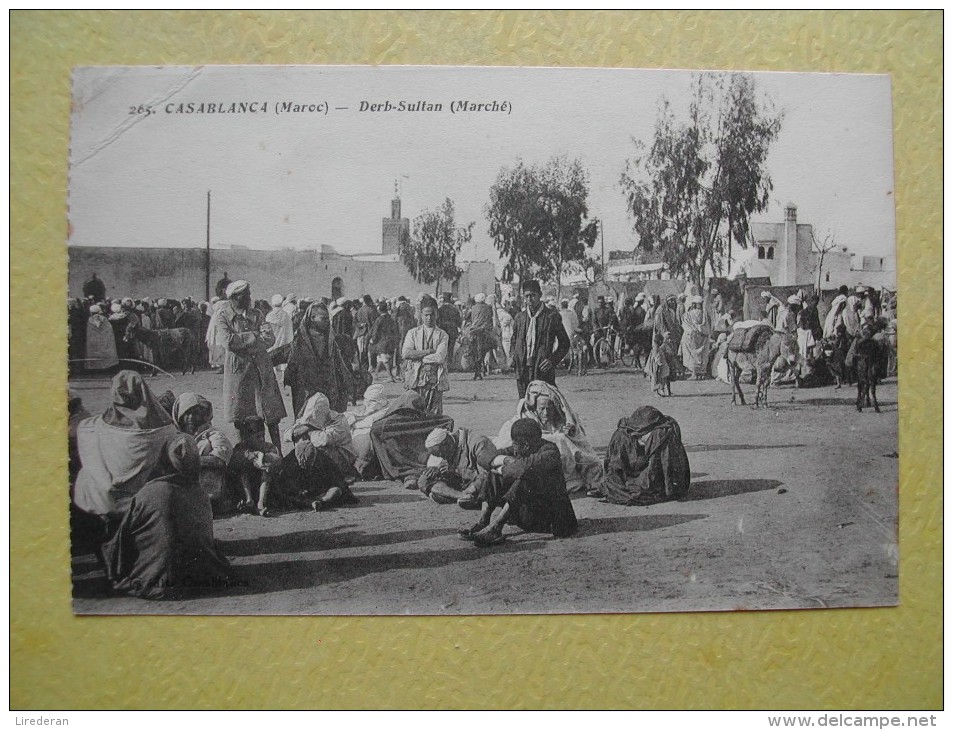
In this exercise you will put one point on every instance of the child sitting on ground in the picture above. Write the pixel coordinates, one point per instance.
(254, 465)
(193, 415)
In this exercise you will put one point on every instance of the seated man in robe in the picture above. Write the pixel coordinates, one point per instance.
(360, 421)
(452, 473)
(117, 451)
(164, 545)
(646, 462)
(253, 467)
(193, 415)
(545, 404)
(320, 468)
(526, 482)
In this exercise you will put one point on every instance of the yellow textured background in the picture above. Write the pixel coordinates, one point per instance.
(873, 658)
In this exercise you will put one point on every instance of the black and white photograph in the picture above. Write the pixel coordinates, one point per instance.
(459, 341)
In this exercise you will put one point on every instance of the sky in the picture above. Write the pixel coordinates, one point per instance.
(302, 179)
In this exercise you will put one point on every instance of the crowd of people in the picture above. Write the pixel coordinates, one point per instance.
(150, 473)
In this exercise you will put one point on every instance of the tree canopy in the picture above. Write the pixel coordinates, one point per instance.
(538, 217)
(691, 191)
(430, 251)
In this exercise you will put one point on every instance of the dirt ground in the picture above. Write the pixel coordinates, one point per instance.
(794, 506)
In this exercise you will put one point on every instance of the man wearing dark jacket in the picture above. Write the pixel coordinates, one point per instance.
(539, 340)
(450, 321)
(526, 480)
(363, 321)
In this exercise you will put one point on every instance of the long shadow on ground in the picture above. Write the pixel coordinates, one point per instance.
(740, 447)
(326, 538)
(635, 523)
(837, 402)
(719, 394)
(727, 487)
(297, 574)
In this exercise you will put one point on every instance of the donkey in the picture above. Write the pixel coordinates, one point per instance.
(167, 342)
(640, 344)
(870, 361)
(769, 347)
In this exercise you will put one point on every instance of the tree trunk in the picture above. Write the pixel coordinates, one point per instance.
(730, 239)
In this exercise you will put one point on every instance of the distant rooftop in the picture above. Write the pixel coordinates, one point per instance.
(388, 258)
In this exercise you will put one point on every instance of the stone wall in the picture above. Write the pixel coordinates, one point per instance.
(177, 272)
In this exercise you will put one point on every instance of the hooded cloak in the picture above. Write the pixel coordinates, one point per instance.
(646, 462)
(582, 467)
(165, 542)
(119, 449)
(315, 365)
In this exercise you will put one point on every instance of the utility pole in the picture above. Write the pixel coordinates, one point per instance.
(602, 235)
(208, 247)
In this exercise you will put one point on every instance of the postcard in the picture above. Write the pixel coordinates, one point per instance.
(455, 341)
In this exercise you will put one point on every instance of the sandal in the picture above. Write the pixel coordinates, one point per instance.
(480, 541)
(467, 533)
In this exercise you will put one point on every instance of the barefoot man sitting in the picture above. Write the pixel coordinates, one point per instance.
(526, 481)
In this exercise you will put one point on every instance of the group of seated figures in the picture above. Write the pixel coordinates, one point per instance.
(147, 478)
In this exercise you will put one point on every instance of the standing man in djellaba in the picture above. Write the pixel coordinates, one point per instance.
(250, 387)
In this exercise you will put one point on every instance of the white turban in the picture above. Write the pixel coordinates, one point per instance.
(436, 437)
(481, 297)
(696, 300)
(765, 295)
(95, 309)
(640, 297)
(236, 287)
(115, 308)
(277, 300)
(342, 301)
(794, 299)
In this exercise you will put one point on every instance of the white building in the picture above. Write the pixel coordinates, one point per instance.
(783, 251)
